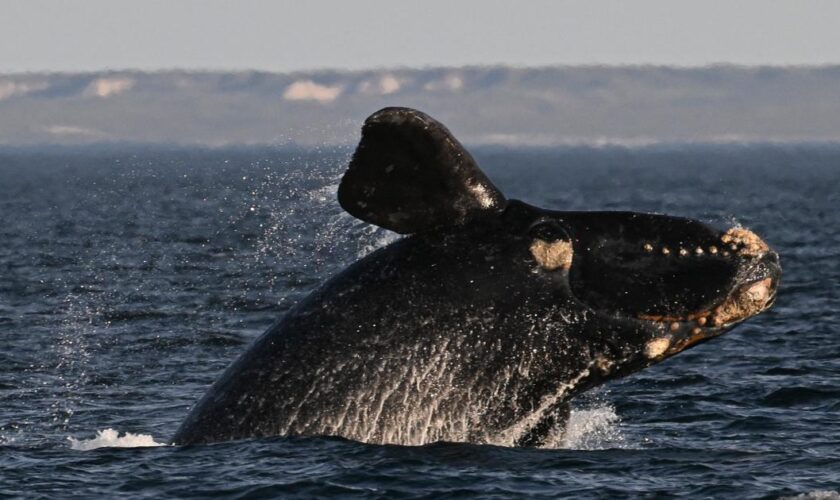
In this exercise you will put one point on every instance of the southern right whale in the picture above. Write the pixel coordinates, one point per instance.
(485, 321)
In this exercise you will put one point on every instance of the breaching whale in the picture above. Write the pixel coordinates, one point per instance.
(488, 318)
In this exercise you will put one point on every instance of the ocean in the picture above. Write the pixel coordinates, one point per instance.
(131, 277)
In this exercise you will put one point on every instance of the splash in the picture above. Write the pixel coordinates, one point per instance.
(595, 428)
(376, 238)
(110, 438)
(304, 232)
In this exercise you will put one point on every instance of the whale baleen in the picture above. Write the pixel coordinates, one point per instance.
(488, 317)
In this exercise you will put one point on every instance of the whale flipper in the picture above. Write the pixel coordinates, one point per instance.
(409, 174)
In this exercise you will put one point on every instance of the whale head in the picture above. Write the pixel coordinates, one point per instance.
(680, 280)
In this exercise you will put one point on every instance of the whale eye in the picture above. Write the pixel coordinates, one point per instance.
(548, 230)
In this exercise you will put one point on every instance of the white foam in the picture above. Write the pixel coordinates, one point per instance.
(110, 438)
(594, 428)
(816, 495)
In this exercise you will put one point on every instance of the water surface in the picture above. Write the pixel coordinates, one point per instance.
(129, 279)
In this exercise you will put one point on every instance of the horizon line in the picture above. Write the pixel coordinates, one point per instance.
(631, 144)
(327, 69)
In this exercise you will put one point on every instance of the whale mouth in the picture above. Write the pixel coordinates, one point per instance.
(747, 300)
(756, 293)
(685, 282)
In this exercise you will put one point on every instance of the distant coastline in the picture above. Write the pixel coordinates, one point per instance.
(507, 106)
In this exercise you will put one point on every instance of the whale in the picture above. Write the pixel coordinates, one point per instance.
(487, 317)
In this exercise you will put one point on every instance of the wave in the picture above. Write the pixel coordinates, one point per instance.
(110, 438)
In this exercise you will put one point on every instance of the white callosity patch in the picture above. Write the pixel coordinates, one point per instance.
(552, 255)
(751, 245)
(110, 438)
(657, 347)
(746, 302)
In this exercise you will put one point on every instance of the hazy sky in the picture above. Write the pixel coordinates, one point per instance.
(81, 35)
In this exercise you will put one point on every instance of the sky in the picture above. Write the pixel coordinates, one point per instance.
(93, 35)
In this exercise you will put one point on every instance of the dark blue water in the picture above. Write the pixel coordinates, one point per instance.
(130, 279)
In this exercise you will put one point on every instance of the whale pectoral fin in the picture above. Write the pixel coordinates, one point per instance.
(409, 174)
(553, 420)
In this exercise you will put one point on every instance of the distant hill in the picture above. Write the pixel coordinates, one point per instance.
(500, 105)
